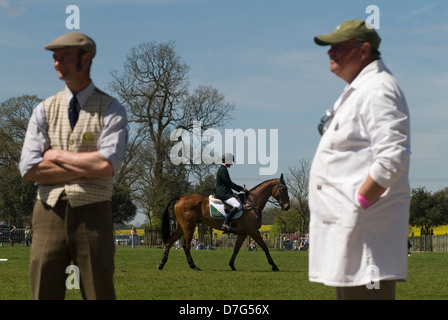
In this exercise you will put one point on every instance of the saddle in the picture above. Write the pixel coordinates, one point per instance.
(241, 197)
(219, 209)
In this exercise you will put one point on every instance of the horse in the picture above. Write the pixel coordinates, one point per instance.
(195, 208)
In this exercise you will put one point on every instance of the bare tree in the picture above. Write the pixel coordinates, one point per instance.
(298, 189)
(16, 195)
(14, 115)
(154, 87)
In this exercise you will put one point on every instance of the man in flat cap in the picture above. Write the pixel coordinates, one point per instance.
(359, 191)
(75, 143)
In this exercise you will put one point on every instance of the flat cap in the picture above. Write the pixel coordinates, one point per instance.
(351, 29)
(73, 40)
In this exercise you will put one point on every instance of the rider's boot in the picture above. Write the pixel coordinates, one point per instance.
(226, 225)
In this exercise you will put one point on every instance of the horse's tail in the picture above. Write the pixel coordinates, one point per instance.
(166, 222)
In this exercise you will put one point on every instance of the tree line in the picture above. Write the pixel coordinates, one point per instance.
(153, 86)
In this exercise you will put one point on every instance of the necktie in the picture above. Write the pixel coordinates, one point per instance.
(73, 112)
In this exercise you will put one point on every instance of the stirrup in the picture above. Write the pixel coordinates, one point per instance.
(228, 228)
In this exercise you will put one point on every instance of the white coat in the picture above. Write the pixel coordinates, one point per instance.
(369, 134)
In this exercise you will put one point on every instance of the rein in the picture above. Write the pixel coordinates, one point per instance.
(276, 203)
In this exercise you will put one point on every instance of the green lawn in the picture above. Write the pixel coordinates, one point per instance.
(137, 277)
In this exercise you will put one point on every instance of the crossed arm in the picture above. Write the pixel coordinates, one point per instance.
(60, 166)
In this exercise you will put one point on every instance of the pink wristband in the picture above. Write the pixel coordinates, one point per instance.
(363, 201)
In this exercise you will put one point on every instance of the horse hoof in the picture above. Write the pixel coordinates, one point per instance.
(159, 266)
(275, 269)
(196, 269)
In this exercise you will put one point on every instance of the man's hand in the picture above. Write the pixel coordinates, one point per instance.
(86, 164)
(62, 166)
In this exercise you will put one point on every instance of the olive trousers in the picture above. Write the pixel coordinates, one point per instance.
(79, 239)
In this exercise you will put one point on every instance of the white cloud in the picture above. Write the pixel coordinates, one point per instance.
(11, 10)
(419, 11)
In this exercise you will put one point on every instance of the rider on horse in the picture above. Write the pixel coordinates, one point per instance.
(223, 189)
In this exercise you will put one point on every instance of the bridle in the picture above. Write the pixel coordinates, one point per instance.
(279, 203)
(280, 188)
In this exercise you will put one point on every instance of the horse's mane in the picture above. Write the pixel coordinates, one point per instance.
(262, 183)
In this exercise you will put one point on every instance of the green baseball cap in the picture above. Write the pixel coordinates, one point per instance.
(73, 40)
(351, 29)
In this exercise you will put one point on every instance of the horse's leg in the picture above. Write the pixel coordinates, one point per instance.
(171, 240)
(238, 244)
(188, 237)
(259, 240)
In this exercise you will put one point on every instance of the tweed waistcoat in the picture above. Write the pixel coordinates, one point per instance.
(83, 138)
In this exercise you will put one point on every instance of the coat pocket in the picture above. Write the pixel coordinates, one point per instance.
(333, 203)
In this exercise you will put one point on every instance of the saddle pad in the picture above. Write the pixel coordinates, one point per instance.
(217, 209)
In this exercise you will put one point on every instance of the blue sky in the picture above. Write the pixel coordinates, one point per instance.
(259, 53)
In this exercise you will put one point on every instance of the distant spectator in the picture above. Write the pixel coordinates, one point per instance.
(133, 237)
(11, 230)
(27, 235)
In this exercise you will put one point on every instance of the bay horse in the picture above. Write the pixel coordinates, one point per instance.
(192, 209)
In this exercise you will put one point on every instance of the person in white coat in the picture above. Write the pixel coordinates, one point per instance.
(359, 193)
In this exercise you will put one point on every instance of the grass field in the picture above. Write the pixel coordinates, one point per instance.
(137, 277)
